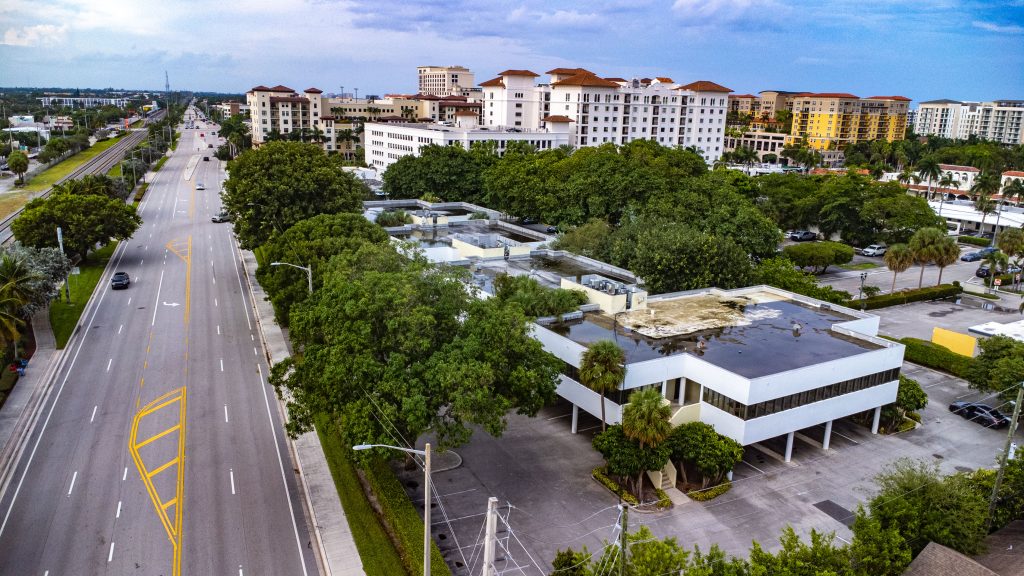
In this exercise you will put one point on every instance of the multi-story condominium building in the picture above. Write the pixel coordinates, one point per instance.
(231, 108)
(742, 103)
(764, 105)
(1001, 120)
(611, 110)
(83, 101)
(832, 120)
(386, 143)
(445, 80)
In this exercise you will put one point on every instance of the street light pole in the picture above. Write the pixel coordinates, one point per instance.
(426, 494)
(307, 269)
(860, 293)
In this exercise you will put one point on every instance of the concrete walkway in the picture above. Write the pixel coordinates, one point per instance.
(338, 553)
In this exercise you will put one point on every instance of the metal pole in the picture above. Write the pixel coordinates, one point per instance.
(1005, 455)
(67, 279)
(309, 277)
(490, 541)
(426, 510)
(622, 537)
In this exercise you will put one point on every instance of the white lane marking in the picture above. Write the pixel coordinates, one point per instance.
(130, 298)
(141, 261)
(218, 329)
(73, 478)
(284, 480)
(118, 515)
(221, 364)
(108, 364)
(110, 555)
(226, 414)
(211, 262)
(93, 417)
(125, 475)
(252, 337)
(240, 570)
(214, 279)
(238, 274)
(254, 352)
(215, 302)
(156, 304)
(119, 328)
(232, 473)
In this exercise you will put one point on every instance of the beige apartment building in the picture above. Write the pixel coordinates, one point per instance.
(445, 80)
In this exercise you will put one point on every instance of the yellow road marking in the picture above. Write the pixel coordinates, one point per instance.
(156, 437)
(163, 467)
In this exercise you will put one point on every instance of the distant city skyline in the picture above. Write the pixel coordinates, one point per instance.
(922, 49)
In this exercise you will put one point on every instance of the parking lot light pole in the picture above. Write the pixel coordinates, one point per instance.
(426, 494)
(860, 294)
(307, 269)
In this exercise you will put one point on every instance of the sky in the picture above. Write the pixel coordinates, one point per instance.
(922, 49)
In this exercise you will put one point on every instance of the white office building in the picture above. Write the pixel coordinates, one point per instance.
(1000, 120)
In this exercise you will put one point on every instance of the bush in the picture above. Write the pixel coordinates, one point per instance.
(818, 255)
(391, 218)
(479, 216)
(600, 474)
(907, 296)
(934, 356)
(664, 502)
(974, 241)
(141, 191)
(706, 494)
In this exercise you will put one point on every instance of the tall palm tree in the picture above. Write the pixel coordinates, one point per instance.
(602, 369)
(929, 170)
(16, 284)
(987, 184)
(898, 258)
(1014, 189)
(945, 254)
(996, 262)
(924, 246)
(645, 420)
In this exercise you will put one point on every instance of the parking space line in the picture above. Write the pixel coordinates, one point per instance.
(752, 466)
(561, 416)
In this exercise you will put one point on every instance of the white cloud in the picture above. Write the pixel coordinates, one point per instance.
(38, 35)
(718, 10)
(998, 28)
(571, 18)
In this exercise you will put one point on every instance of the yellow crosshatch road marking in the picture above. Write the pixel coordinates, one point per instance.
(171, 525)
(183, 249)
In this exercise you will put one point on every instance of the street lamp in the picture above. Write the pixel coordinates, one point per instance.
(426, 494)
(860, 294)
(309, 272)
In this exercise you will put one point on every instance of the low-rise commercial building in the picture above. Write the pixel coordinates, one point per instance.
(764, 143)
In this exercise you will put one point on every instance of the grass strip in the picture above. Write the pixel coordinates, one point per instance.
(63, 316)
(378, 553)
(47, 178)
(859, 266)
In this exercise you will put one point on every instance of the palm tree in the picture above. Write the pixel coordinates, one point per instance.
(1014, 189)
(947, 181)
(602, 369)
(898, 258)
(985, 186)
(996, 262)
(645, 420)
(929, 169)
(16, 282)
(945, 253)
(924, 246)
(1011, 241)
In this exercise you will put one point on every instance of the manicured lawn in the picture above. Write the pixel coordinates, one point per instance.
(11, 201)
(63, 316)
(859, 266)
(379, 556)
(48, 178)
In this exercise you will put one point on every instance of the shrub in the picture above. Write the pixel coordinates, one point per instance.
(818, 255)
(706, 494)
(664, 502)
(601, 476)
(934, 356)
(141, 191)
(907, 296)
(390, 218)
(973, 241)
(479, 216)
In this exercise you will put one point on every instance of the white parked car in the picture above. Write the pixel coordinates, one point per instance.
(875, 250)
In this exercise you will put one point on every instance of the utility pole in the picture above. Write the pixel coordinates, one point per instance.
(1005, 455)
(491, 538)
(67, 279)
(624, 508)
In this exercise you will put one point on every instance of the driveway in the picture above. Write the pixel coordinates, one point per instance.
(540, 472)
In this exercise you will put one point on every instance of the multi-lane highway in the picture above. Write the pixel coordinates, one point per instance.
(160, 448)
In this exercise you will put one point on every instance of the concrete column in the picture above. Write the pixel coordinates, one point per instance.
(789, 446)
(874, 421)
(664, 388)
(575, 417)
(828, 435)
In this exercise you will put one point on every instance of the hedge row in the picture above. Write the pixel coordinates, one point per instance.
(974, 241)
(907, 296)
(404, 520)
(934, 356)
(600, 475)
(709, 493)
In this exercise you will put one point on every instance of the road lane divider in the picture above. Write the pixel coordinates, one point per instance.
(93, 417)
(73, 478)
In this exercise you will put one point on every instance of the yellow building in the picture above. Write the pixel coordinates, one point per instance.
(832, 120)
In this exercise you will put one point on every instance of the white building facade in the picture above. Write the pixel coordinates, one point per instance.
(1000, 120)
(445, 80)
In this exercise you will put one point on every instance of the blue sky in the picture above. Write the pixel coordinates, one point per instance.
(961, 49)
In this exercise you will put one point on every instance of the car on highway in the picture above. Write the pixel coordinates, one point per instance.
(120, 281)
(875, 250)
(803, 236)
(221, 216)
(983, 414)
(200, 186)
(206, 158)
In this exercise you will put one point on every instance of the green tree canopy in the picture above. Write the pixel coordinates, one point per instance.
(17, 161)
(999, 366)
(602, 369)
(451, 173)
(273, 187)
(85, 220)
(818, 256)
(628, 459)
(536, 300)
(696, 446)
(782, 273)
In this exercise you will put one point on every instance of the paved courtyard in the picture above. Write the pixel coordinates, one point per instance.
(540, 472)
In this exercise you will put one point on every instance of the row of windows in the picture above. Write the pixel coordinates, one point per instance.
(744, 412)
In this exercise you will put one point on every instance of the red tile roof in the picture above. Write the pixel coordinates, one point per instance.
(313, 91)
(705, 86)
(280, 88)
(664, 80)
(616, 79)
(260, 88)
(518, 73)
(903, 98)
(558, 118)
(495, 82)
(588, 80)
(828, 95)
(568, 71)
(1014, 173)
(742, 96)
(958, 168)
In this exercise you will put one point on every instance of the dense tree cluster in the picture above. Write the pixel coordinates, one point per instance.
(536, 300)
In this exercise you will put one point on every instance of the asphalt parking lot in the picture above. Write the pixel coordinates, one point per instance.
(540, 472)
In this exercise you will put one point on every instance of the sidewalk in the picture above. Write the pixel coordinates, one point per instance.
(332, 532)
(22, 405)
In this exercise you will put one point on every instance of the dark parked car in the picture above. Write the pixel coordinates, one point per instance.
(120, 280)
(983, 414)
(206, 158)
(971, 257)
(984, 271)
(987, 250)
(803, 236)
